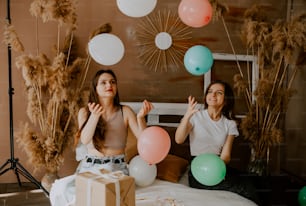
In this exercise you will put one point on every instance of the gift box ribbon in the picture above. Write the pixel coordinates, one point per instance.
(114, 177)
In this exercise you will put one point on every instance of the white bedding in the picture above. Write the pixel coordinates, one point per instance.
(164, 193)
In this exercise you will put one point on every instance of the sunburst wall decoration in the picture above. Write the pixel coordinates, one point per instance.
(162, 40)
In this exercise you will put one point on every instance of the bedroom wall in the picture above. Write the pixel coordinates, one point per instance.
(136, 81)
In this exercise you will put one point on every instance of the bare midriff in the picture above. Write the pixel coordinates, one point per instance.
(106, 152)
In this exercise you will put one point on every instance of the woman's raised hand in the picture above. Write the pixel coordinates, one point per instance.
(145, 109)
(95, 109)
(192, 103)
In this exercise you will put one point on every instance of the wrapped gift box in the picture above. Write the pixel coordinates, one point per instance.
(104, 190)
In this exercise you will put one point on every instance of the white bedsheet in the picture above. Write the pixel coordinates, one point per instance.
(164, 193)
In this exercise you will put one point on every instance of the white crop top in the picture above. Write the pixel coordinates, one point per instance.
(207, 135)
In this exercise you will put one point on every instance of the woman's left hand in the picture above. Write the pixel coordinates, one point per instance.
(145, 109)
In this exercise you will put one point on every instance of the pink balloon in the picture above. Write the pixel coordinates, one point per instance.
(153, 144)
(195, 13)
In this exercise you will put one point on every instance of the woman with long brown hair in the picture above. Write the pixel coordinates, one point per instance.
(103, 132)
(104, 124)
(213, 130)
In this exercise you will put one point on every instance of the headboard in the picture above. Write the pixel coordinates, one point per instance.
(163, 114)
(167, 116)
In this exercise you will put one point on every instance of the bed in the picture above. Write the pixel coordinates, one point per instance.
(170, 187)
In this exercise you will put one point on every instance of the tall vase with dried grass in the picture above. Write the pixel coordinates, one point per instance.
(54, 89)
(276, 46)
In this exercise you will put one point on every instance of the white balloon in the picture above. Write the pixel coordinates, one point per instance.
(106, 49)
(136, 8)
(143, 173)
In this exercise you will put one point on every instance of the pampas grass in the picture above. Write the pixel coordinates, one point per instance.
(275, 44)
(53, 88)
(11, 38)
(219, 9)
(54, 97)
(61, 11)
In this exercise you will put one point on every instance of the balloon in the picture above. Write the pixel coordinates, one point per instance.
(198, 60)
(143, 173)
(195, 13)
(208, 169)
(106, 49)
(302, 196)
(153, 144)
(136, 8)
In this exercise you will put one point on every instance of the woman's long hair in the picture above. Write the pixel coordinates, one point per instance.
(229, 99)
(98, 137)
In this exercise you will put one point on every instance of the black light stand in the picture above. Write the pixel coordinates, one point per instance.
(14, 162)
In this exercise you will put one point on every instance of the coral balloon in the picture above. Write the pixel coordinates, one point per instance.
(198, 60)
(208, 169)
(143, 173)
(302, 196)
(153, 144)
(195, 13)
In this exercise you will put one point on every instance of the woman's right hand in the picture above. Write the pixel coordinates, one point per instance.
(185, 127)
(95, 109)
(145, 109)
(192, 103)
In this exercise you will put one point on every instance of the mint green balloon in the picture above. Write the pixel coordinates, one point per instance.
(198, 60)
(302, 196)
(208, 169)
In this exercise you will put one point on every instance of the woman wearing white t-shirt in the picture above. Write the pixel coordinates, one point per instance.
(213, 130)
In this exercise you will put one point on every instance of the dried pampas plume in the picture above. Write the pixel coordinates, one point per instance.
(11, 38)
(62, 11)
(218, 9)
(54, 89)
(274, 44)
(105, 28)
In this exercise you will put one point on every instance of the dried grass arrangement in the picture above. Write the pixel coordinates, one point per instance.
(276, 46)
(53, 85)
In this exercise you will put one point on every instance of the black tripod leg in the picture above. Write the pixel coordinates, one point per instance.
(17, 175)
(7, 169)
(13, 167)
(27, 175)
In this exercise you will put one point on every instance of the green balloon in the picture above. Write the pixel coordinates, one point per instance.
(208, 169)
(302, 196)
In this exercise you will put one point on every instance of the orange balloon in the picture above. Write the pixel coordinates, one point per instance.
(195, 13)
(153, 144)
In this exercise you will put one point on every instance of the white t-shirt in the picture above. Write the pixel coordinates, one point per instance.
(207, 135)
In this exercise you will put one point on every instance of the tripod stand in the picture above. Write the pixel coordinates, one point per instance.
(12, 162)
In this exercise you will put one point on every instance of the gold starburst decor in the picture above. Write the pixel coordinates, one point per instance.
(162, 40)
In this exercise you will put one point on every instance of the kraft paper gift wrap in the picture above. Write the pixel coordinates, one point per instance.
(110, 189)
